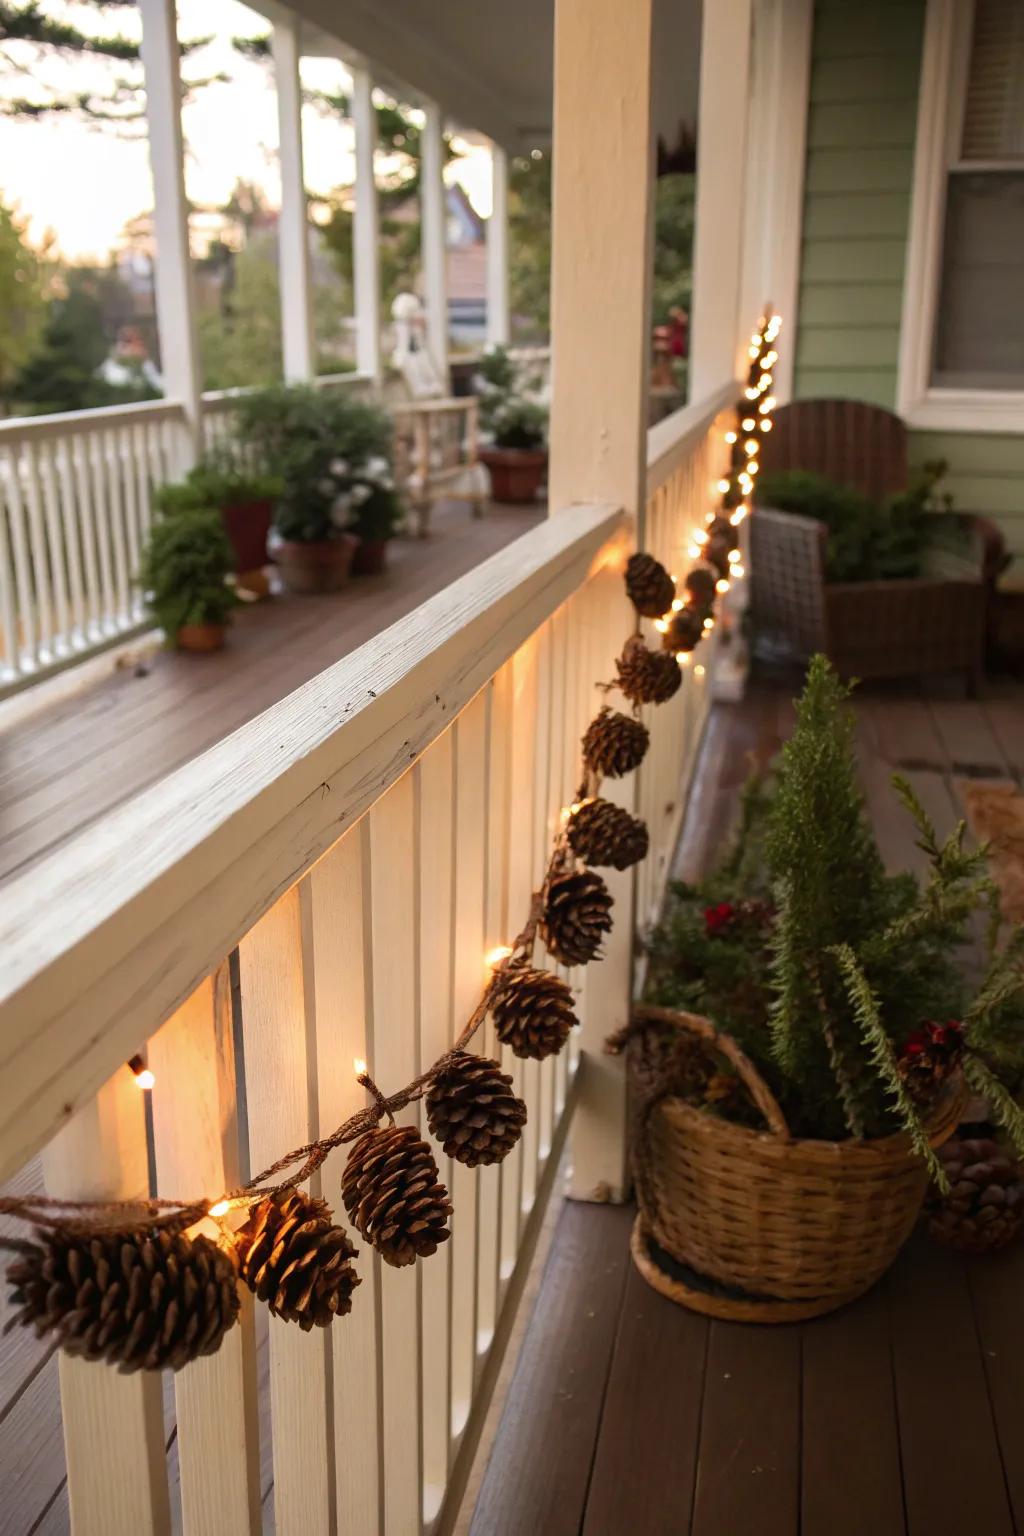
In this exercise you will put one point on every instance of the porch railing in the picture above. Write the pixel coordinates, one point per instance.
(322, 886)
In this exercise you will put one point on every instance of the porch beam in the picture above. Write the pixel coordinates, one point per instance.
(366, 228)
(175, 294)
(717, 330)
(293, 229)
(600, 293)
(434, 237)
(498, 318)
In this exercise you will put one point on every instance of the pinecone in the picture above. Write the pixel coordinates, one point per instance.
(984, 1209)
(684, 631)
(603, 833)
(649, 586)
(394, 1195)
(928, 1056)
(717, 551)
(614, 744)
(700, 584)
(472, 1111)
(292, 1256)
(723, 528)
(577, 915)
(532, 1011)
(141, 1300)
(645, 676)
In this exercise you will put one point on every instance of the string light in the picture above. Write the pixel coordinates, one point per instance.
(752, 392)
(749, 423)
(765, 424)
(221, 1208)
(709, 624)
(698, 670)
(683, 658)
(144, 1078)
(701, 537)
(750, 446)
(723, 486)
(753, 467)
(359, 1066)
(694, 551)
(677, 603)
(739, 514)
(734, 557)
(730, 437)
(661, 625)
(722, 585)
(494, 957)
(738, 572)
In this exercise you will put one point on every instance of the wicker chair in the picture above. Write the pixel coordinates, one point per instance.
(871, 629)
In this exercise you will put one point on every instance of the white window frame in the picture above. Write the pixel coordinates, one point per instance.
(945, 64)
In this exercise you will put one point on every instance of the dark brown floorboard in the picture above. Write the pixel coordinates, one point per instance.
(538, 1484)
(997, 1288)
(66, 765)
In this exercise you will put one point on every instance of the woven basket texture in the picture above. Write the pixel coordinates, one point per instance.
(778, 1217)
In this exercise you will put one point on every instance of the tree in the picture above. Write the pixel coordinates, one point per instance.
(35, 33)
(23, 282)
(529, 217)
(62, 374)
(673, 245)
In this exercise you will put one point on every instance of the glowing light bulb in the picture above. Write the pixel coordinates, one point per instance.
(683, 658)
(359, 1066)
(751, 392)
(770, 358)
(723, 486)
(495, 956)
(709, 624)
(734, 557)
(764, 382)
(753, 467)
(693, 551)
(755, 336)
(753, 349)
(767, 404)
(739, 514)
(750, 446)
(698, 670)
(722, 585)
(730, 437)
(144, 1078)
(661, 625)
(738, 572)
(677, 603)
(749, 423)
(765, 424)
(221, 1208)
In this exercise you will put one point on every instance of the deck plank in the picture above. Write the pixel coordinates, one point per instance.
(997, 1284)
(850, 1434)
(953, 1476)
(1005, 717)
(537, 1476)
(968, 741)
(748, 1473)
(645, 1463)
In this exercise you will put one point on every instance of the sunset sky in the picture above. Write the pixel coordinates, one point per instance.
(84, 183)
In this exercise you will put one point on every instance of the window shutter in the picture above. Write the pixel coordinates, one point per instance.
(994, 115)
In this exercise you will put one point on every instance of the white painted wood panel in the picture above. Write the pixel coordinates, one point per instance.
(279, 1067)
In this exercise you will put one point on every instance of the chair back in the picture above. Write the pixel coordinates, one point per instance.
(847, 441)
(787, 594)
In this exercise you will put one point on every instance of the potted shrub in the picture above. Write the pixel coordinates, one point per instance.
(184, 574)
(784, 1144)
(329, 451)
(515, 425)
(245, 497)
(374, 514)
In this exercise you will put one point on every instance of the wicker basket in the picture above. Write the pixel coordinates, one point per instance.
(792, 1228)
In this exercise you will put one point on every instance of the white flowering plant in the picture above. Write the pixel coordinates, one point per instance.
(512, 413)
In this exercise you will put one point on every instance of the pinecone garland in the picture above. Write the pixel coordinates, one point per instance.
(684, 631)
(984, 1209)
(717, 551)
(393, 1193)
(614, 744)
(293, 1256)
(141, 1300)
(532, 1011)
(700, 584)
(603, 833)
(649, 586)
(472, 1111)
(645, 676)
(576, 917)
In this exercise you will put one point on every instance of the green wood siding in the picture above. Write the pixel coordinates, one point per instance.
(860, 153)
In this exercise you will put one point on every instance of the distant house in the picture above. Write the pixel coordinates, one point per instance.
(467, 270)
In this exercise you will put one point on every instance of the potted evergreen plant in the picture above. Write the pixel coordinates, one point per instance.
(184, 574)
(332, 453)
(515, 424)
(784, 1143)
(245, 497)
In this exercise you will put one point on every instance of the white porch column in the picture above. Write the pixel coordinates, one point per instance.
(498, 321)
(366, 228)
(175, 301)
(601, 228)
(293, 230)
(717, 330)
(434, 235)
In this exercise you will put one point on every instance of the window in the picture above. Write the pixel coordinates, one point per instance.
(962, 339)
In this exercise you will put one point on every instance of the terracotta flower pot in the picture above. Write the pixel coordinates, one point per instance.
(322, 566)
(370, 558)
(247, 526)
(200, 637)
(517, 474)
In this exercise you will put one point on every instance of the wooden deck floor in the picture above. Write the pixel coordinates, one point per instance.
(70, 763)
(902, 1415)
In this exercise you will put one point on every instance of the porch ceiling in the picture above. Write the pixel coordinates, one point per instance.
(487, 63)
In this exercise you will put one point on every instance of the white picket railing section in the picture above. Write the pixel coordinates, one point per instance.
(322, 886)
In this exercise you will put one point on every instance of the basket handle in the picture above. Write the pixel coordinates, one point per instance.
(752, 1080)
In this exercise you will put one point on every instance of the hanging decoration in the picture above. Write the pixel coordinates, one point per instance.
(137, 1285)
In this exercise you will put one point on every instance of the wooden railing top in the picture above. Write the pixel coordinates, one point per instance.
(65, 423)
(670, 441)
(104, 937)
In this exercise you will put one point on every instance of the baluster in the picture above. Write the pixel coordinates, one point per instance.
(470, 973)
(79, 455)
(395, 1060)
(339, 919)
(72, 540)
(113, 1424)
(55, 541)
(140, 455)
(544, 824)
(10, 646)
(435, 808)
(29, 467)
(101, 504)
(27, 613)
(499, 928)
(110, 457)
(197, 1152)
(279, 1065)
(125, 439)
(520, 889)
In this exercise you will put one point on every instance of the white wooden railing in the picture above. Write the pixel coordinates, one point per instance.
(322, 886)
